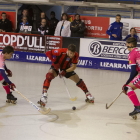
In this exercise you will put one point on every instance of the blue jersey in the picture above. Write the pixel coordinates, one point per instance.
(115, 28)
(130, 36)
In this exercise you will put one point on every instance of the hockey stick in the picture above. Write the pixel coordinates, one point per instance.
(72, 99)
(41, 111)
(107, 107)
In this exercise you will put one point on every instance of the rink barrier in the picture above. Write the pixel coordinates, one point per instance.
(93, 53)
(84, 62)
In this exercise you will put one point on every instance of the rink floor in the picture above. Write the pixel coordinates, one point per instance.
(88, 122)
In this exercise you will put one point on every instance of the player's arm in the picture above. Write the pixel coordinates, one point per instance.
(132, 74)
(49, 55)
(72, 68)
(52, 54)
(2, 71)
(8, 71)
(109, 31)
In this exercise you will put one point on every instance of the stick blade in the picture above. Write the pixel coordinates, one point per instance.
(106, 106)
(73, 99)
(45, 112)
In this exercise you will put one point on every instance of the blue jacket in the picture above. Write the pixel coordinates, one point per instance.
(130, 36)
(115, 28)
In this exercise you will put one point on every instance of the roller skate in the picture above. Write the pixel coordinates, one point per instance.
(11, 98)
(135, 112)
(89, 98)
(43, 100)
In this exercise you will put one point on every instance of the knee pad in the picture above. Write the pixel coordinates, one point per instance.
(4, 83)
(128, 89)
(79, 83)
(49, 76)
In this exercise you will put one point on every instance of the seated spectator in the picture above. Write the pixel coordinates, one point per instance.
(42, 16)
(53, 23)
(63, 27)
(132, 34)
(5, 24)
(24, 23)
(25, 14)
(77, 27)
(115, 29)
(44, 28)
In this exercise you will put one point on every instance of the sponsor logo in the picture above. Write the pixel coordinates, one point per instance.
(67, 59)
(95, 48)
(115, 65)
(19, 41)
(112, 50)
(37, 58)
(15, 56)
(136, 81)
(56, 51)
(84, 63)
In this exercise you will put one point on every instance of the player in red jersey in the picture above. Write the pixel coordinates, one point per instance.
(66, 60)
(134, 80)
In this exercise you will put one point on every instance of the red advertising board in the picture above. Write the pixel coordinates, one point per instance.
(11, 16)
(30, 43)
(95, 26)
(53, 42)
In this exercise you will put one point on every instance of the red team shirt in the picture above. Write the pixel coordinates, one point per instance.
(134, 58)
(60, 56)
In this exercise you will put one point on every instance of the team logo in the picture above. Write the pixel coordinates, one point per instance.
(95, 48)
(67, 59)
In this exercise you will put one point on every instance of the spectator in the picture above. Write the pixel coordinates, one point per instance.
(63, 27)
(77, 27)
(42, 16)
(44, 28)
(5, 24)
(24, 23)
(115, 29)
(25, 14)
(132, 34)
(53, 23)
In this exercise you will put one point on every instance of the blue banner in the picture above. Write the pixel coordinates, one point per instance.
(30, 57)
(106, 64)
(85, 62)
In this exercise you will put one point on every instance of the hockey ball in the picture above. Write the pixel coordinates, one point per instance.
(74, 108)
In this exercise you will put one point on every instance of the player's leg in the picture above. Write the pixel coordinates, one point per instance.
(80, 83)
(52, 73)
(129, 90)
(10, 97)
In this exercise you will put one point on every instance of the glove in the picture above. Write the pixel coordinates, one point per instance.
(56, 66)
(9, 73)
(12, 86)
(63, 73)
(123, 88)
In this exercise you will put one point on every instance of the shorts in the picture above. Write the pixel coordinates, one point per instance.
(68, 74)
(136, 81)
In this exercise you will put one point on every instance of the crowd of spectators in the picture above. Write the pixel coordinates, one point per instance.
(46, 26)
(64, 28)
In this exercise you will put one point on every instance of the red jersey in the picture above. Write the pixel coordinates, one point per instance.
(60, 56)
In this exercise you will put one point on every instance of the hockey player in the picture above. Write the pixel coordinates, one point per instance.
(7, 84)
(134, 80)
(66, 60)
